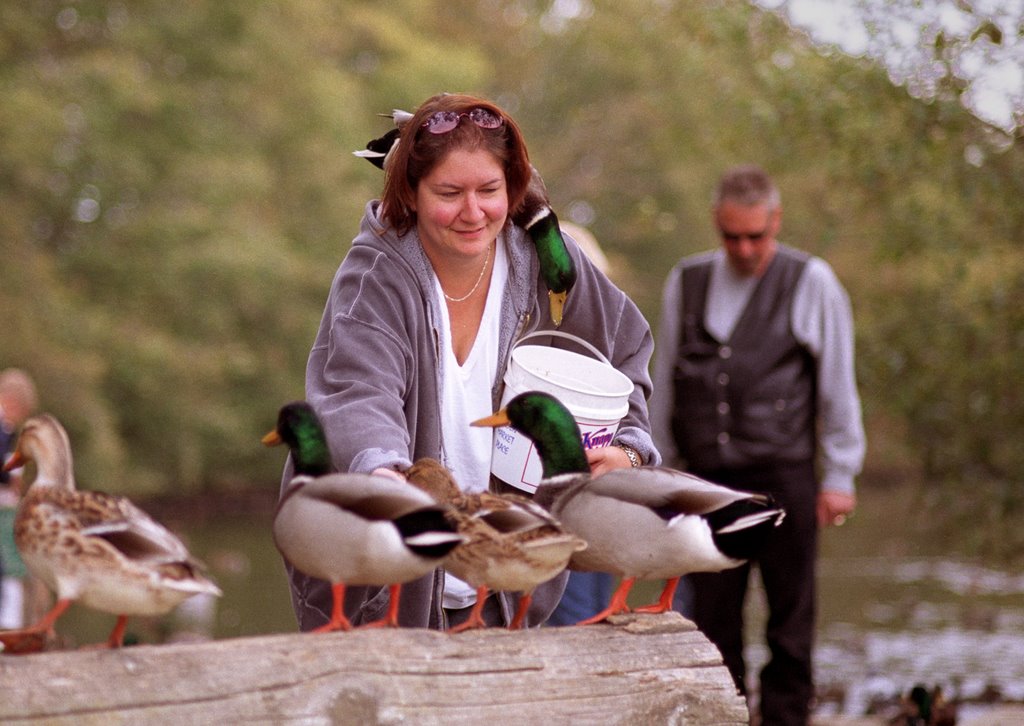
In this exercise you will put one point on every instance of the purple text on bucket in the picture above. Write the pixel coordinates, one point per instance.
(597, 439)
(504, 440)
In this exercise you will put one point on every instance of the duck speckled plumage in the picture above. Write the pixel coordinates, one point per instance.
(94, 548)
(512, 544)
(640, 523)
(352, 529)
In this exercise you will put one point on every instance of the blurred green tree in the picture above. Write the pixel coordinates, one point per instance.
(178, 190)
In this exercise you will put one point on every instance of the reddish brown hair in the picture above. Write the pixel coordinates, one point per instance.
(419, 151)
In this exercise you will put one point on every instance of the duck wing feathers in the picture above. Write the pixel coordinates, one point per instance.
(106, 521)
(509, 513)
(667, 492)
(373, 498)
(127, 528)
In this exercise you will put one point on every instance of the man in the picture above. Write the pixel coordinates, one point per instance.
(754, 388)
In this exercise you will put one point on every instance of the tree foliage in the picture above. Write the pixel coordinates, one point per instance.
(970, 52)
(178, 190)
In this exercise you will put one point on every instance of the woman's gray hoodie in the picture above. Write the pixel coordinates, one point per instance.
(373, 377)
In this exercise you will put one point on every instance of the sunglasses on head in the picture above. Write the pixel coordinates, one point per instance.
(444, 121)
(734, 237)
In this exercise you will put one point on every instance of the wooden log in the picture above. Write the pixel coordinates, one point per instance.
(643, 669)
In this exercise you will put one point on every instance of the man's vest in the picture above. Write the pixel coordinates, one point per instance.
(750, 400)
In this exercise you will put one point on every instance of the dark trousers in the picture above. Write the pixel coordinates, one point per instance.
(787, 567)
(491, 613)
(586, 594)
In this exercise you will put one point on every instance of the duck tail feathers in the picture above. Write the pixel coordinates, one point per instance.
(752, 520)
(374, 157)
(428, 533)
(400, 117)
(741, 529)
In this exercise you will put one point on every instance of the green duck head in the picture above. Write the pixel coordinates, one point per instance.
(299, 427)
(556, 264)
(553, 430)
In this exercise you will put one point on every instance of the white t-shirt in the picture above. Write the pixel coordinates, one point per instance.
(465, 397)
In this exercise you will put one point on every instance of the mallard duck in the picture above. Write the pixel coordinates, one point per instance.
(536, 216)
(377, 150)
(640, 523)
(556, 264)
(94, 548)
(921, 707)
(352, 529)
(512, 544)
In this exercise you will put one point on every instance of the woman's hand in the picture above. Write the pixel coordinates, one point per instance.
(606, 458)
(389, 473)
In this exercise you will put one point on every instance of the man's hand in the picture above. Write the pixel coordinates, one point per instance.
(834, 508)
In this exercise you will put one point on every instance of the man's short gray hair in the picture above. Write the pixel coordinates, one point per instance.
(747, 185)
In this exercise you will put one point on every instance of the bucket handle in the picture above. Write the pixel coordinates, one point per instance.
(569, 336)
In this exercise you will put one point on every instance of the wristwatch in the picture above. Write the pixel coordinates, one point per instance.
(634, 458)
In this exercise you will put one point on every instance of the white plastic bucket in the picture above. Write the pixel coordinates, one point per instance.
(595, 393)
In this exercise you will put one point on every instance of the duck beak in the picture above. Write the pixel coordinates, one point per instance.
(495, 419)
(15, 461)
(272, 439)
(557, 300)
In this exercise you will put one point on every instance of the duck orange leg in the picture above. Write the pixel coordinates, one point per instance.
(616, 606)
(664, 603)
(524, 604)
(33, 638)
(116, 639)
(338, 620)
(475, 619)
(391, 619)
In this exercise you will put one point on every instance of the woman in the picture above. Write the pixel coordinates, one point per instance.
(420, 321)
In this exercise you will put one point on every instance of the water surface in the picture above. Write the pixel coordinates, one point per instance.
(893, 611)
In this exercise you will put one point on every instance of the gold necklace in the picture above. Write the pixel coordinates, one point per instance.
(449, 298)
